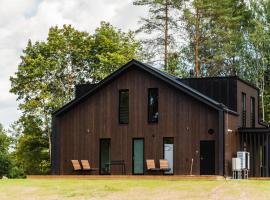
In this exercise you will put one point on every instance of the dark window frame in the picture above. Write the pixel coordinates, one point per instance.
(151, 120)
(252, 111)
(244, 109)
(120, 121)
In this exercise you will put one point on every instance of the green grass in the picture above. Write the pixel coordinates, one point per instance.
(132, 189)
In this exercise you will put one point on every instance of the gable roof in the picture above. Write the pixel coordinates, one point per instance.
(169, 79)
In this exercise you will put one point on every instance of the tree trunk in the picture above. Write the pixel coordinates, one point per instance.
(197, 43)
(48, 131)
(166, 37)
(50, 144)
(262, 95)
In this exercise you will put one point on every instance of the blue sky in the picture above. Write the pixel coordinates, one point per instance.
(21, 20)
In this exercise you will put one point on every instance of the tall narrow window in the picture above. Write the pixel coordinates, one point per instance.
(244, 110)
(168, 153)
(104, 156)
(152, 105)
(252, 111)
(123, 106)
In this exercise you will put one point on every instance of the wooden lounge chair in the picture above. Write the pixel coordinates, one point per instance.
(76, 165)
(86, 166)
(164, 165)
(150, 165)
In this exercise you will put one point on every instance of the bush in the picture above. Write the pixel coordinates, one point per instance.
(45, 167)
(16, 172)
(5, 164)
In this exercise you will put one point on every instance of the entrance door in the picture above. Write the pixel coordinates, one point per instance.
(105, 156)
(168, 153)
(207, 157)
(138, 156)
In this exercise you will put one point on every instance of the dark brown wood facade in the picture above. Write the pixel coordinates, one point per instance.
(181, 117)
(78, 128)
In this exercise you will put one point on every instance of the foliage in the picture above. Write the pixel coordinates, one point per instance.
(46, 77)
(256, 62)
(216, 31)
(16, 172)
(161, 23)
(31, 153)
(110, 49)
(223, 38)
(5, 162)
(176, 66)
(4, 165)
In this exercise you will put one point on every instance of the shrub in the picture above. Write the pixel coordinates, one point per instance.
(5, 164)
(16, 172)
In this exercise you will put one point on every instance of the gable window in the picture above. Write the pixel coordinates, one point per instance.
(124, 106)
(252, 111)
(153, 105)
(243, 114)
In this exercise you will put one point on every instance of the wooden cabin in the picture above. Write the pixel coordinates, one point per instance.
(139, 113)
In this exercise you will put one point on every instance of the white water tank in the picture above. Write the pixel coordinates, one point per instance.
(236, 164)
(244, 159)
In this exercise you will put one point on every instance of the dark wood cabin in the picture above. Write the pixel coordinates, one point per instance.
(140, 113)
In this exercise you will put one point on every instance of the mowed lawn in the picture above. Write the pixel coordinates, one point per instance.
(132, 189)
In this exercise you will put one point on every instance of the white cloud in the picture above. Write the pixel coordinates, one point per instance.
(21, 20)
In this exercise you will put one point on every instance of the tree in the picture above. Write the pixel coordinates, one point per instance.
(216, 31)
(110, 49)
(256, 60)
(175, 65)
(31, 153)
(265, 104)
(5, 162)
(50, 69)
(161, 23)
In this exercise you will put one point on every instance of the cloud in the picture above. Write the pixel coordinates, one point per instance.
(21, 20)
(128, 15)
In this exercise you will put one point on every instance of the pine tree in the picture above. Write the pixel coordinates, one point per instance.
(255, 65)
(161, 25)
(216, 31)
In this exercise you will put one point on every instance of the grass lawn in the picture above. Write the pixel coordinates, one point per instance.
(132, 189)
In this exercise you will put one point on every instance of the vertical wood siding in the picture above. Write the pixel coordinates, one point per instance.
(180, 116)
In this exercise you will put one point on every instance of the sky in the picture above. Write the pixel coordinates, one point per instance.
(21, 20)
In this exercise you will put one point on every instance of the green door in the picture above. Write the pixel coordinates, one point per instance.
(138, 156)
(105, 156)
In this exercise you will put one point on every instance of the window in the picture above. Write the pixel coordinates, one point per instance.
(243, 110)
(168, 153)
(252, 111)
(123, 106)
(104, 156)
(152, 105)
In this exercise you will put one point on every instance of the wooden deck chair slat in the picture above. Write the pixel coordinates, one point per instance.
(76, 165)
(164, 165)
(85, 165)
(150, 165)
